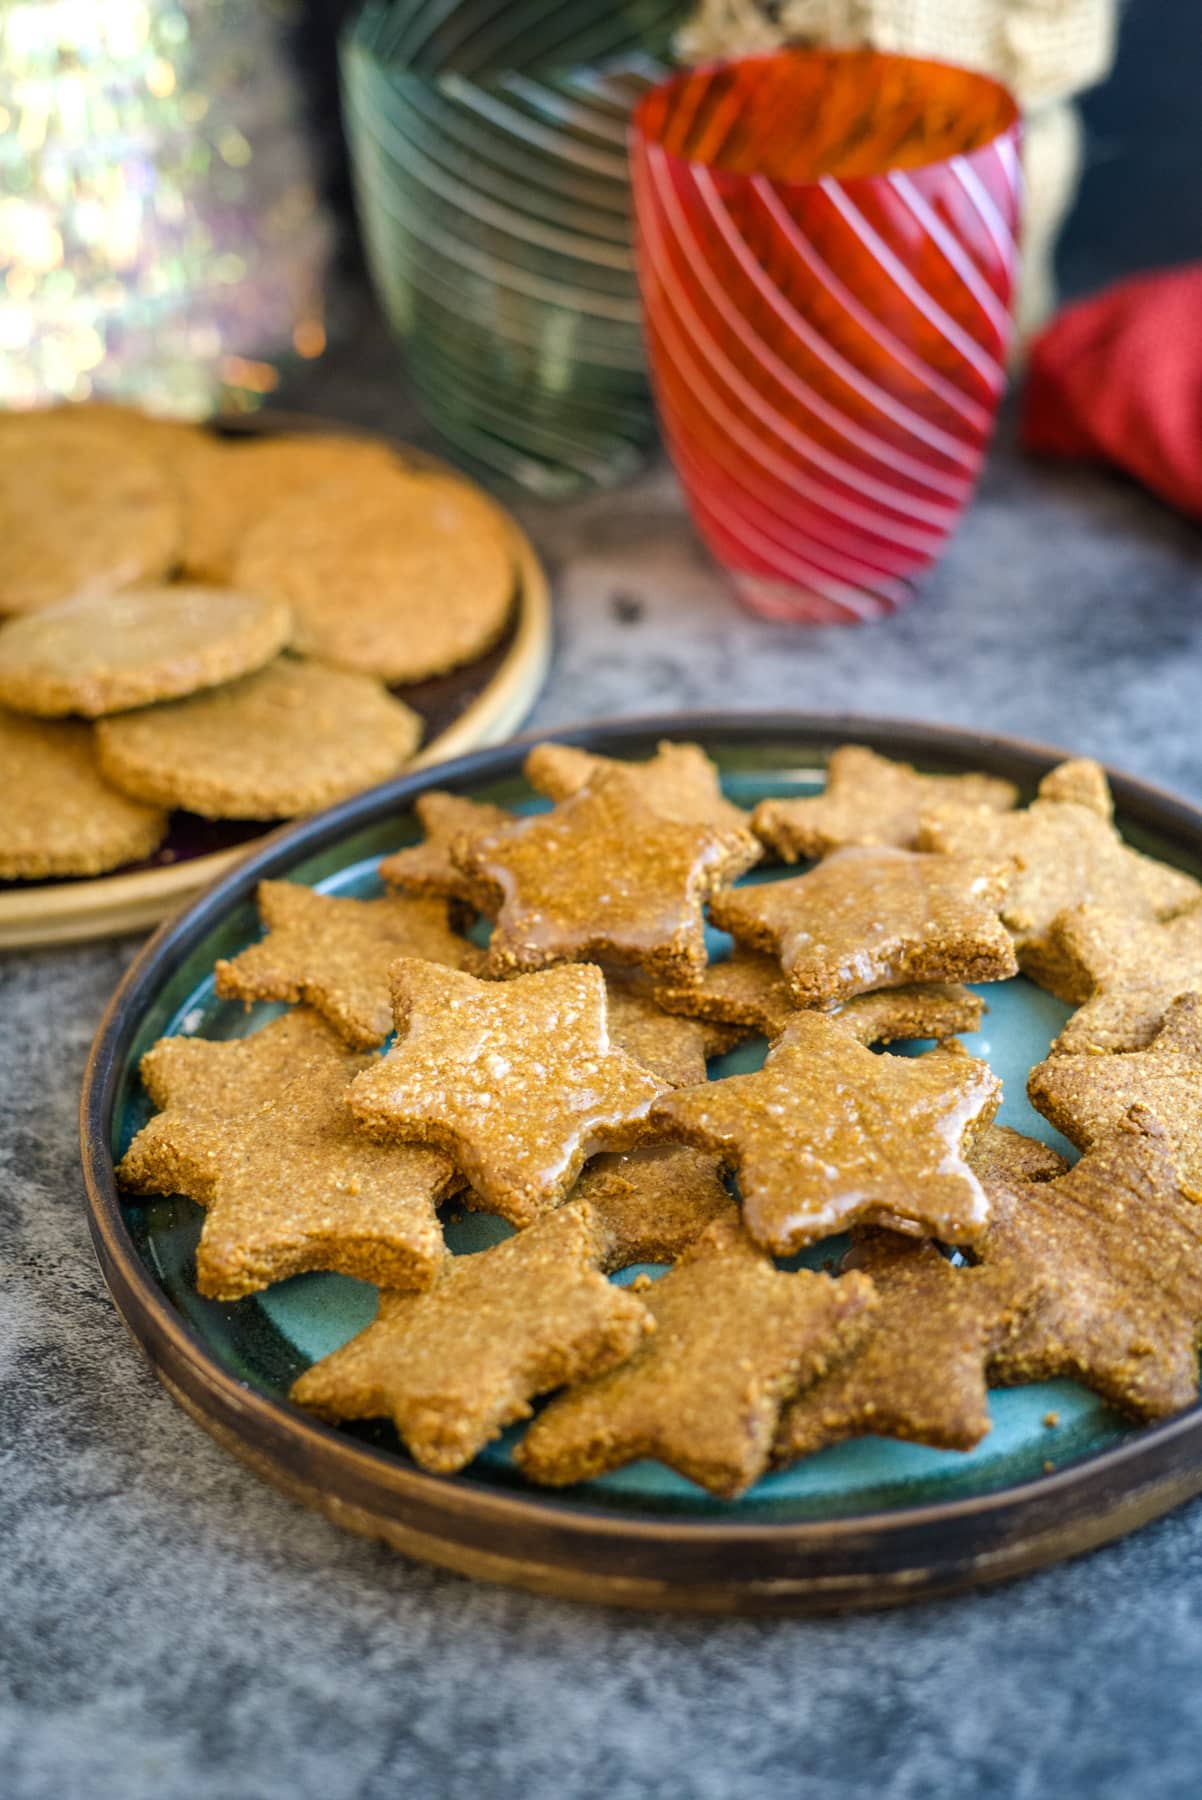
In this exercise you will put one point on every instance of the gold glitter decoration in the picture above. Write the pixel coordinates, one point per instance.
(161, 237)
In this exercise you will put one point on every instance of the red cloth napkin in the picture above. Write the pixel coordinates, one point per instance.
(1118, 378)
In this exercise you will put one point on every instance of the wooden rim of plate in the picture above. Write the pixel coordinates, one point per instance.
(71, 911)
(539, 1541)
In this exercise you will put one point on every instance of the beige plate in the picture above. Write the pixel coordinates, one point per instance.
(485, 701)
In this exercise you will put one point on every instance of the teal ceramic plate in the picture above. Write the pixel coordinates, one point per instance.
(870, 1522)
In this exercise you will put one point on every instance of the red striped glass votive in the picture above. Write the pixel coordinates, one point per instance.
(826, 250)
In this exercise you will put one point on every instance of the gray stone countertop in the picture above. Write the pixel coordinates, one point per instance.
(170, 1627)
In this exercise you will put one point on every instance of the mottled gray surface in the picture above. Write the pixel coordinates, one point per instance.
(170, 1628)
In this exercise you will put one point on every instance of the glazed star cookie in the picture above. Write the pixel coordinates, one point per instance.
(398, 574)
(428, 868)
(83, 510)
(258, 1131)
(919, 1372)
(679, 782)
(1086, 1095)
(516, 1081)
(869, 800)
(867, 919)
(649, 1206)
(748, 992)
(290, 739)
(453, 1367)
(1133, 970)
(58, 815)
(1064, 851)
(105, 653)
(1111, 1257)
(334, 954)
(228, 484)
(602, 876)
(734, 1340)
(827, 1134)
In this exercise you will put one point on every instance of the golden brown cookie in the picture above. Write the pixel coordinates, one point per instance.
(258, 1131)
(999, 1153)
(827, 1134)
(603, 876)
(230, 484)
(867, 919)
(428, 868)
(105, 653)
(334, 954)
(672, 1047)
(734, 1340)
(1087, 1095)
(400, 574)
(679, 782)
(516, 1081)
(869, 800)
(919, 1372)
(650, 1205)
(58, 815)
(1111, 1254)
(83, 509)
(290, 739)
(748, 991)
(452, 1367)
(1133, 970)
(1063, 851)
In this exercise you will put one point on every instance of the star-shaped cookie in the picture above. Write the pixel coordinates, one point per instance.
(734, 1340)
(334, 954)
(257, 1130)
(868, 919)
(1132, 970)
(1063, 851)
(427, 868)
(919, 1372)
(1085, 1095)
(869, 800)
(603, 876)
(452, 1367)
(650, 1205)
(748, 992)
(516, 1081)
(679, 782)
(1111, 1256)
(827, 1134)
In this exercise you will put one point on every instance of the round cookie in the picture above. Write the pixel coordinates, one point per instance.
(229, 484)
(105, 653)
(58, 815)
(83, 508)
(402, 576)
(290, 739)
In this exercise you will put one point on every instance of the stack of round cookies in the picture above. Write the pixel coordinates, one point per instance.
(213, 624)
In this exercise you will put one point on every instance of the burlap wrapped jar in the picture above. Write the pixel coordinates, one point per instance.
(1045, 51)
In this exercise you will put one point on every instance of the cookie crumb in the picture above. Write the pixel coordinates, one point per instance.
(1051, 1419)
